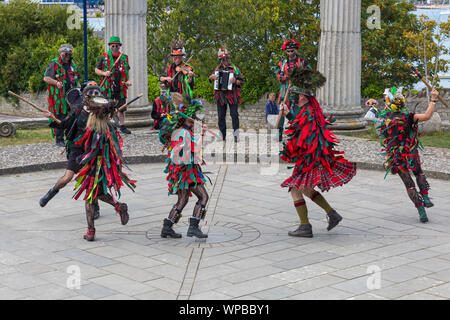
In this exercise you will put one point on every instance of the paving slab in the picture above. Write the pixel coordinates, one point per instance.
(248, 254)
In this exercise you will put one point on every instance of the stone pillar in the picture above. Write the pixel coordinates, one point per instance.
(340, 62)
(127, 19)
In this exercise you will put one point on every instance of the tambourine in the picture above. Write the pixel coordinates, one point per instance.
(74, 97)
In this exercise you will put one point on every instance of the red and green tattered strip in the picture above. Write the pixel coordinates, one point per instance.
(56, 97)
(124, 77)
(399, 147)
(233, 96)
(182, 174)
(102, 170)
(310, 147)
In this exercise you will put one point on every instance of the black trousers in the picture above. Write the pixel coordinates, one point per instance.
(222, 112)
(59, 133)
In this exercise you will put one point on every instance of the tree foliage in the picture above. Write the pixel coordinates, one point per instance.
(254, 30)
(31, 36)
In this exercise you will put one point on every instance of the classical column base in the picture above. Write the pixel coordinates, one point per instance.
(138, 116)
(348, 120)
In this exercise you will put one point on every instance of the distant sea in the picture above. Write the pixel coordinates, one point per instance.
(436, 14)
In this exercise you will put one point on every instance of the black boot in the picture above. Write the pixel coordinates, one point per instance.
(96, 211)
(194, 229)
(167, 230)
(333, 219)
(304, 231)
(124, 129)
(48, 196)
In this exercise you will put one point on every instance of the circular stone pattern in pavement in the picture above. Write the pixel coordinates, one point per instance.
(219, 234)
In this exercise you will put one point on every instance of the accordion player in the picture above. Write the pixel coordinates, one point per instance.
(224, 80)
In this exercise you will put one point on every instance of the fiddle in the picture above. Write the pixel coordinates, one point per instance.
(185, 69)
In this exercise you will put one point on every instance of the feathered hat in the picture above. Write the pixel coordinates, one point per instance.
(223, 52)
(182, 108)
(177, 48)
(394, 99)
(305, 81)
(290, 44)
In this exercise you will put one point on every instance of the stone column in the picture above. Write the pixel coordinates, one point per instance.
(127, 19)
(340, 62)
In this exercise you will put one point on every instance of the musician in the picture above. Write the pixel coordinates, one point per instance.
(179, 76)
(117, 79)
(224, 97)
(292, 60)
(61, 75)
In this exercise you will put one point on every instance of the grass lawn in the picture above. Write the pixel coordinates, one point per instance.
(435, 139)
(26, 136)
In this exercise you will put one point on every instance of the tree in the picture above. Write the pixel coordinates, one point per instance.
(427, 47)
(252, 30)
(31, 36)
(384, 50)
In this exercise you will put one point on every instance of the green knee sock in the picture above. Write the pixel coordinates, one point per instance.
(302, 211)
(321, 202)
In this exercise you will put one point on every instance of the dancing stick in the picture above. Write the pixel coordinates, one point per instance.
(280, 114)
(114, 65)
(417, 73)
(130, 102)
(32, 104)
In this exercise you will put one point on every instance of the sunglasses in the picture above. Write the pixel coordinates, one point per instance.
(115, 46)
(67, 54)
(290, 51)
(93, 92)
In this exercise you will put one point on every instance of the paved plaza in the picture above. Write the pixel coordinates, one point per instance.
(379, 251)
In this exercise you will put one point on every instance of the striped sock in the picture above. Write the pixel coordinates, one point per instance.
(321, 202)
(302, 211)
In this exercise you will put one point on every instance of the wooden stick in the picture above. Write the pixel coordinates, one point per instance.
(199, 122)
(131, 101)
(280, 114)
(114, 65)
(31, 104)
(417, 73)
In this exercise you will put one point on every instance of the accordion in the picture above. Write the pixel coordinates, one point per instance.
(223, 81)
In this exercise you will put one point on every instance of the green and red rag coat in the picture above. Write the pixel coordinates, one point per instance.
(102, 165)
(121, 70)
(310, 147)
(183, 168)
(283, 69)
(233, 96)
(400, 141)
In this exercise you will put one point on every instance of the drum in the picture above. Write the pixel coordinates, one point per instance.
(223, 81)
(74, 97)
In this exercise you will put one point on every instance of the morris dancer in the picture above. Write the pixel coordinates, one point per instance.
(75, 125)
(184, 174)
(399, 133)
(101, 160)
(310, 147)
